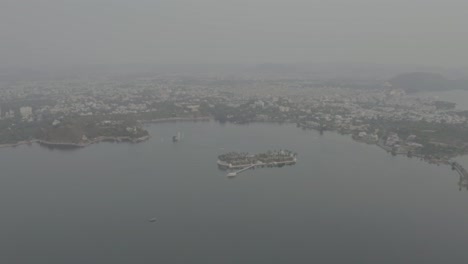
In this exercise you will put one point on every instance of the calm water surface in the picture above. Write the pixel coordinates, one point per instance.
(460, 97)
(344, 202)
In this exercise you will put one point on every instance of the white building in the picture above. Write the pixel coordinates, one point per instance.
(259, 103)
(26, 112)
(284, 109)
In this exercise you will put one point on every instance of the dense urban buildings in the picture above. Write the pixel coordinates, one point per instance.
(81, 111)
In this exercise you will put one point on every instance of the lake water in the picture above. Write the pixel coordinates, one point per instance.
(460, 97)
(344, 202)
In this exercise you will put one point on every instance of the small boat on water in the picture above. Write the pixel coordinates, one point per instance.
(152, 220)
(177, 137)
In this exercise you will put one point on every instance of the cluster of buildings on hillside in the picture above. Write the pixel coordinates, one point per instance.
(31, 101)
(350, 110)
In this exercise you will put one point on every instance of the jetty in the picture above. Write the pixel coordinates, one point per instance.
(233, 174)
(463, 182)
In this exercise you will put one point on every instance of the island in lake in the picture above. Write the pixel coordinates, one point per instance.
(72, 113)
(244, 161)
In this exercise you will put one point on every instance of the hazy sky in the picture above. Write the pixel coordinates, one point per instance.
(431, 32)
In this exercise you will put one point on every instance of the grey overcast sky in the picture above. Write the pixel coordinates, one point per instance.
(56, 32)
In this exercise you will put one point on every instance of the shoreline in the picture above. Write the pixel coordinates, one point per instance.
(105, 138)
(70, 145)
(91, 142)
(443, 161)
(19, 143)
(176, 119)
(427, 158)
(76, 145)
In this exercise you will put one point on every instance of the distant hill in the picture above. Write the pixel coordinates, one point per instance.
(425, 81)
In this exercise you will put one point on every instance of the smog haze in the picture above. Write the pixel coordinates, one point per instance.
(56, 33)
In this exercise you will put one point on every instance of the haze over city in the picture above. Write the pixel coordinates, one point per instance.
(57, 33)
